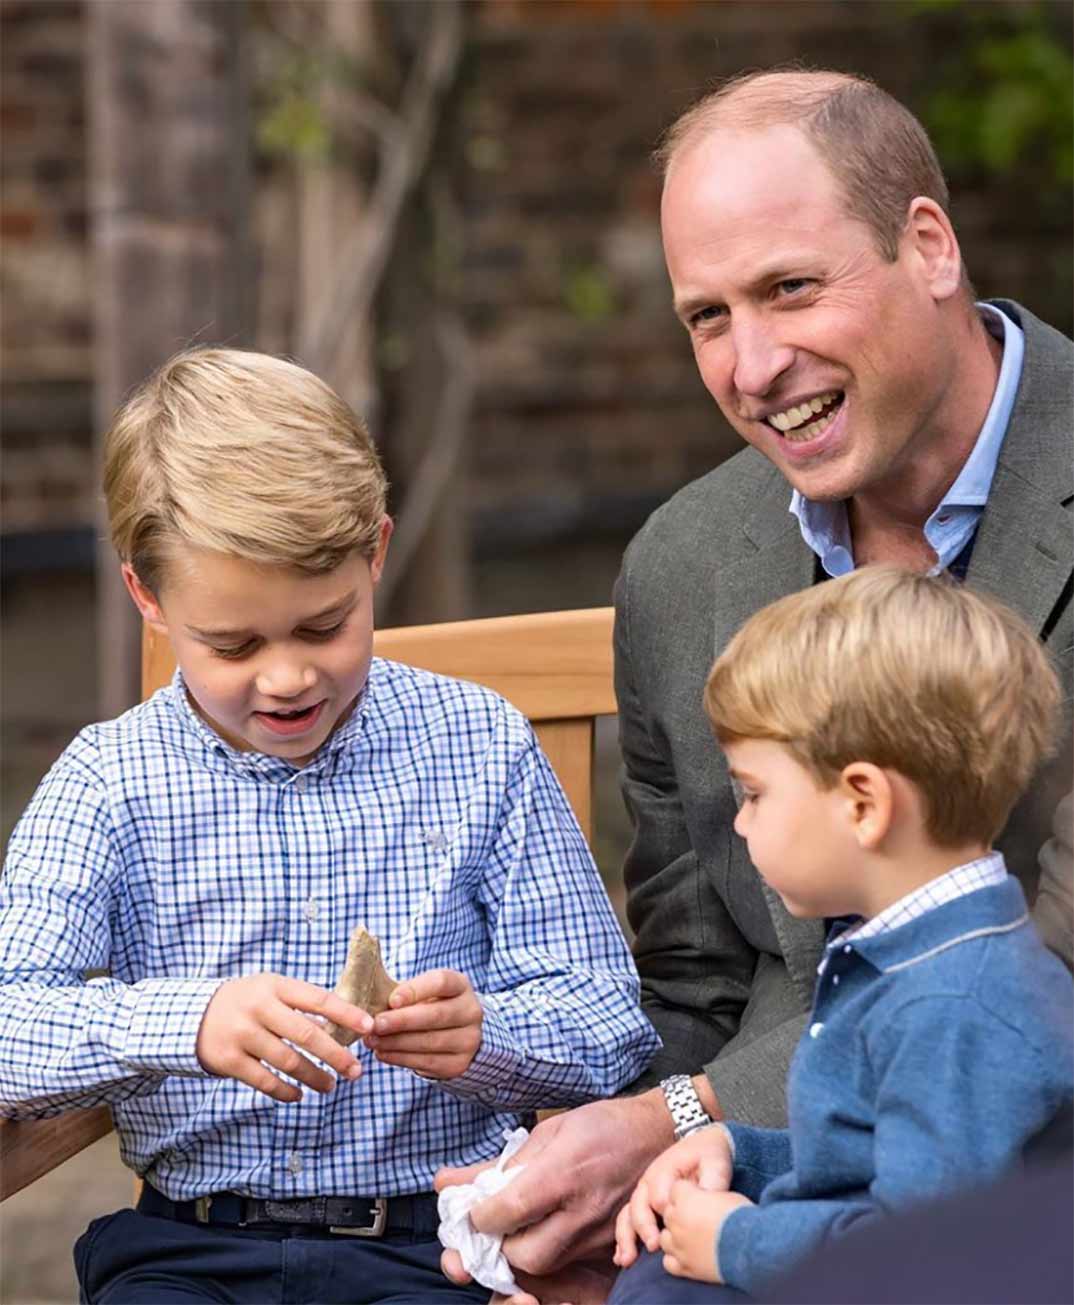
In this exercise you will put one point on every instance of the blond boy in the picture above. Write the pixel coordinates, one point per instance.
(213, 849)
(879, 728)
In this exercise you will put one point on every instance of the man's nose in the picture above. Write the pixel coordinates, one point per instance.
(285, 677)
(760, 359)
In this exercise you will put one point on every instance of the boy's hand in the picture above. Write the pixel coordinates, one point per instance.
(693, 1219)
(248, 1019)
(433, 1025)
(703, 1157)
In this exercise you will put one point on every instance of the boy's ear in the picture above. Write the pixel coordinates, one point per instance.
(867, 792)
(376, 562)
(144, 600)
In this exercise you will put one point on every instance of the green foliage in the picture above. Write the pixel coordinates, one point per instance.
(1006, 103)
(588, 293)
(291, 123)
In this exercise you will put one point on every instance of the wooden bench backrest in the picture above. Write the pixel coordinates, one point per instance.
(555, 667)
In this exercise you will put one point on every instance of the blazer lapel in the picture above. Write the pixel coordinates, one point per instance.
(778, 563)
(1024, 551)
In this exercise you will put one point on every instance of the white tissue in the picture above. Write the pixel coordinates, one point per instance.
(481, 1255)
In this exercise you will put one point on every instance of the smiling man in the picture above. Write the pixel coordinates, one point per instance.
(891, 418)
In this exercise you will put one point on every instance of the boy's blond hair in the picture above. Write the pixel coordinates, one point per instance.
(913, 673)
(244, 454)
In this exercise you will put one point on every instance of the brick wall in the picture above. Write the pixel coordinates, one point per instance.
(45, 345)
(589, 407)
(589, 386)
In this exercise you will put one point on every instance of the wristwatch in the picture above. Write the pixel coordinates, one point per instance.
(687, 1112)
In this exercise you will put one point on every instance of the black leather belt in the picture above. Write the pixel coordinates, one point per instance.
(347, 1216)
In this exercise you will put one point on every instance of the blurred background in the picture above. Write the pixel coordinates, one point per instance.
(448, 211)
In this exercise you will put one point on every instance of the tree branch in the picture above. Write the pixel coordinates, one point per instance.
(403, 153)
(441, 456)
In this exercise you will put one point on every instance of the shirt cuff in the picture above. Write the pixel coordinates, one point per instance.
(489, 1075)
(162, 1031)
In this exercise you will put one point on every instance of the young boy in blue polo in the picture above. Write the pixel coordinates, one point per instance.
(213, 849)
(879, 728)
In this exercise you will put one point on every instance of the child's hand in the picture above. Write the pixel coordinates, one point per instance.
(703, 1157)
(693, 1219)
(248, 1019)
(433, 1025)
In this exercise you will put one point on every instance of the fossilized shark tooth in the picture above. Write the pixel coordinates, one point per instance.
(364, 981)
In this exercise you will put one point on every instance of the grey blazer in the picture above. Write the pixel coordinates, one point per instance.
(727, 974)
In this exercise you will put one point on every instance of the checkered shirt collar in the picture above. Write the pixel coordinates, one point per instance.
(983, 872)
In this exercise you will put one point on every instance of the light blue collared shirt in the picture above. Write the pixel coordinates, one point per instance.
(950, 527)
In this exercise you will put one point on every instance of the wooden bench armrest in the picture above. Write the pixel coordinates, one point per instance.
(30, 1148)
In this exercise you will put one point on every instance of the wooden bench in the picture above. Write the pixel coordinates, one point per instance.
(554, 667)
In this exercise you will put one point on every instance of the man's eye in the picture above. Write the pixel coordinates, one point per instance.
(703, 315)
(793, 285)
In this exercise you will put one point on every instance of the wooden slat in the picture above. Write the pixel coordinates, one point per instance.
(30, 1148)
(568, 745)
(550, 665)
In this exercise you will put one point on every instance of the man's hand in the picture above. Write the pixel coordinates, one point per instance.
(578, 1284)
(433, 1025)
(580, 1168)
(692, 1222)
(253, 1019)
(703, 1158)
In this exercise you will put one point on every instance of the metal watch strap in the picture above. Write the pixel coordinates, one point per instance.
(687, 1112)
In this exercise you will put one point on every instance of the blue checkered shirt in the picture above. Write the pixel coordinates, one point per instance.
(158, 853)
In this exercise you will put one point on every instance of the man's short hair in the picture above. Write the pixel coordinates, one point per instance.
(913, 673)
(878, 152)
(244, 454)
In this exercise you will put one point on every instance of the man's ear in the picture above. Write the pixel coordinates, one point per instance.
(376, 563)
(930, 239)
(144, 600)
(869, 802)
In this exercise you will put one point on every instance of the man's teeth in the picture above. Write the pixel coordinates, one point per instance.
(798, 424)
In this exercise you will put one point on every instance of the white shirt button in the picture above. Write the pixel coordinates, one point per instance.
(311, 910)
(846, 950)
(835, 980)
(814, 1030)
(294, 1163)
(301, 784)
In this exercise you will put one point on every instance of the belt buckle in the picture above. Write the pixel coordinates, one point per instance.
(202, 1206)
(375, 1229)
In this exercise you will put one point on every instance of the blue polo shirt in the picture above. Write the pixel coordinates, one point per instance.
(935, 1050)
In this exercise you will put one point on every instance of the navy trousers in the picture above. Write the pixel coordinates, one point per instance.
(129, 1258)
(646, 1282)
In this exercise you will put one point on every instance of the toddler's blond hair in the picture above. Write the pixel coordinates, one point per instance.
(244, 454)
(910, 672)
